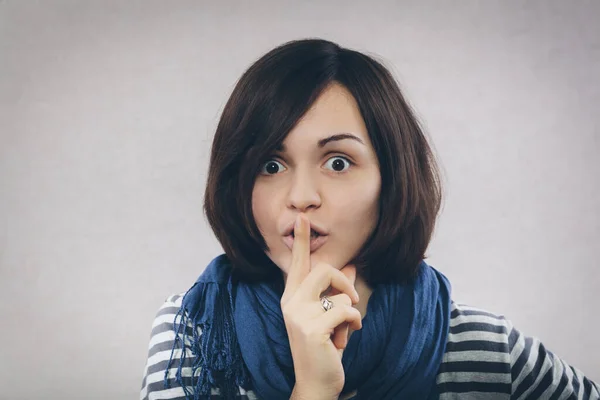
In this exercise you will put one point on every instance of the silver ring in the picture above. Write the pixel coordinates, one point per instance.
(326, 303)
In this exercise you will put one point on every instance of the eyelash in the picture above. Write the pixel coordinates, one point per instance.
(273, 158)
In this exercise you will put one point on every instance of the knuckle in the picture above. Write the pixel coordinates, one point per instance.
(350, 312)
(340, 275)
(307, 330)
(345, 299)
(287, 311)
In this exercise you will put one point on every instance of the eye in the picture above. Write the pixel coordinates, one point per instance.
(337, 163)
(271, 167)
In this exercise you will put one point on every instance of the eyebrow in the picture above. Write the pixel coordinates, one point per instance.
(333, 138)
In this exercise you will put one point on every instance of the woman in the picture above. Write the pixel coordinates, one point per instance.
(324, 193)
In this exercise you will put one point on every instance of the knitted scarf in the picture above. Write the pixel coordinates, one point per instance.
(242, 340)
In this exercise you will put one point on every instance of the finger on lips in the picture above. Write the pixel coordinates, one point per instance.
(324, 276)
(300, 265)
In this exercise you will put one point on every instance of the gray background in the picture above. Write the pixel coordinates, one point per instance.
(107, 115)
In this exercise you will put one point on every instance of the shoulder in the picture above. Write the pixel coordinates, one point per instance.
(160, 348)
(476, 329)
(487, 357)
(165, 356)
(477, 357)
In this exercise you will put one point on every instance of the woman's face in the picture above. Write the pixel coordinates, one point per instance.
(335, 183)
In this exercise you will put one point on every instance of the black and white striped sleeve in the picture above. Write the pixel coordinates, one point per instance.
(160, 347)
(537, 373)
(159, 352)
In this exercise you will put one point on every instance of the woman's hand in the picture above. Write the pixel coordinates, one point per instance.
(317, 337)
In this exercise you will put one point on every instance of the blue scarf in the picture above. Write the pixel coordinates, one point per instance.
(244, 342)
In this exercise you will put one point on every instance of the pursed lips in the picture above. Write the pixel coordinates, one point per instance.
(316, 241)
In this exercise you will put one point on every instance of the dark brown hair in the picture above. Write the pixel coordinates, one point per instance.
(267, 102)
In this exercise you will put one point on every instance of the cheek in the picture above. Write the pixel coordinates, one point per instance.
(360, 201)
(257, 208)
(262, 208)
(358, 211)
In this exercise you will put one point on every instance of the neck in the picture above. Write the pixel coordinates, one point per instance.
(364, 294)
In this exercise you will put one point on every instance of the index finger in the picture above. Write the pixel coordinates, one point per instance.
(300, 265)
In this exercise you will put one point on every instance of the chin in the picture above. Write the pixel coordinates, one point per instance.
(316, 258)
(282, 257)
(322, 257)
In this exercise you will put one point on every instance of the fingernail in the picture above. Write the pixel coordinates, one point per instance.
(297, 222)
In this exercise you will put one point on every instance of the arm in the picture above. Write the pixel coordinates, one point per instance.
(159, 351)
(537, 373)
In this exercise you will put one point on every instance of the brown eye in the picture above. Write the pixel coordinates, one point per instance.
(337, 163)
(271, 167)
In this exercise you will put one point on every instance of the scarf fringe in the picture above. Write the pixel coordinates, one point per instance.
(220, 365)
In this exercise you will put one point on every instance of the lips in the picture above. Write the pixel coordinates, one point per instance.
(318, 236)
(314, 228)
(315, 243)
(313, 234)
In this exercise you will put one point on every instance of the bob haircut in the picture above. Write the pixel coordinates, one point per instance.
(265, 105)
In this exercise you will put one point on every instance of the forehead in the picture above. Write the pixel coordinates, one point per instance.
(334, 111)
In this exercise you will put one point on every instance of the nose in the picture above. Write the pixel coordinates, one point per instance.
(303, 193)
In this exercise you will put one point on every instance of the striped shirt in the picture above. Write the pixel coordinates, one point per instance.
(486, 358)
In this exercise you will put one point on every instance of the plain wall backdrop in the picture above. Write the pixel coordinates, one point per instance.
(108, 109)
